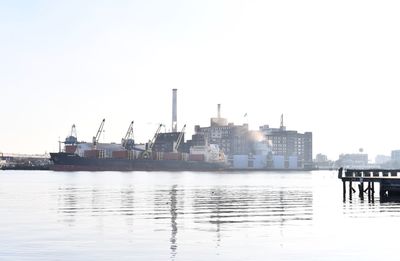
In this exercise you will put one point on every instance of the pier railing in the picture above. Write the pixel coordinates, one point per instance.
(388, 180)
(368, 173)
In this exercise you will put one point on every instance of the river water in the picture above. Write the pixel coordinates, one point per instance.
(190, 216)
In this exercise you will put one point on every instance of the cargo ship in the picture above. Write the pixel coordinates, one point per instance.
(72, 162)
(165, 152)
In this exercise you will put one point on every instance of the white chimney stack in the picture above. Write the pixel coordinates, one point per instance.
(174, 111)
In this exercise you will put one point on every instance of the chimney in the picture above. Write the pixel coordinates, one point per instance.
(219, 111)
(174, 111)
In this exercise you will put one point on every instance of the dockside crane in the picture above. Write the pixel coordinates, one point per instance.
(179, 140)
(99, 131)
(128, 141)
(149, 148)
(72, 138)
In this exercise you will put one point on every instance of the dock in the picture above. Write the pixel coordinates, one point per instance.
(388, 181)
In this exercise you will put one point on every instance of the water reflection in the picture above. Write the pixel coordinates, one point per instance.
(68, 196)
(174, 226)
(216, 206)
(203, 209)
(127, 205)
(252, 205)
(361, 209)
(127, 201)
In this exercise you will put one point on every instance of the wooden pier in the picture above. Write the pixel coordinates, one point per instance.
(365, 179)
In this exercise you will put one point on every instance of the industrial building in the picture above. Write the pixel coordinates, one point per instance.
(232, 139)
(290, 149)
(274, 148)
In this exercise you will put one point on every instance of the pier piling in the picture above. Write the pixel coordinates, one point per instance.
(351, 190)
(344, 189)
(361, 190)
(369, 191)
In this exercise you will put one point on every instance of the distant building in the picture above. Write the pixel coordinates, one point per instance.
(259, 154)
(267, 147)
(290, 144)
(394, 160)
(395, 156)
(321, 158)
(355, 160)
(382, 159)
(232, 139)
(322, 162)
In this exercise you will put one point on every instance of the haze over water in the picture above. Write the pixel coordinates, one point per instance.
(190, 216)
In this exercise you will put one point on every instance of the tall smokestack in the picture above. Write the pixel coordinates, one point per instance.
(219, 110)
(174, 111)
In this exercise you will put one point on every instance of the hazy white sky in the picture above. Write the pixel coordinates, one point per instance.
(332, 67)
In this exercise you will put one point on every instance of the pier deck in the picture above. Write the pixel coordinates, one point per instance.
(387, 179)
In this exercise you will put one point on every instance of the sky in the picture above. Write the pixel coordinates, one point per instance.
(331, 67)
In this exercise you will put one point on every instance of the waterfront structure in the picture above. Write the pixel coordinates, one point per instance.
(232, 139)
(353, 160)
(273, 148)
(289, 146)
(387, 179)
(24, 162)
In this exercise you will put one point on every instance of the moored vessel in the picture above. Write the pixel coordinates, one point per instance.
(165, 152)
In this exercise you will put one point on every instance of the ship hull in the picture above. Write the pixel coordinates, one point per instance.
(72, 162)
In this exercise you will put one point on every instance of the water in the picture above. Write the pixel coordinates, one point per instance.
(190, 216)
